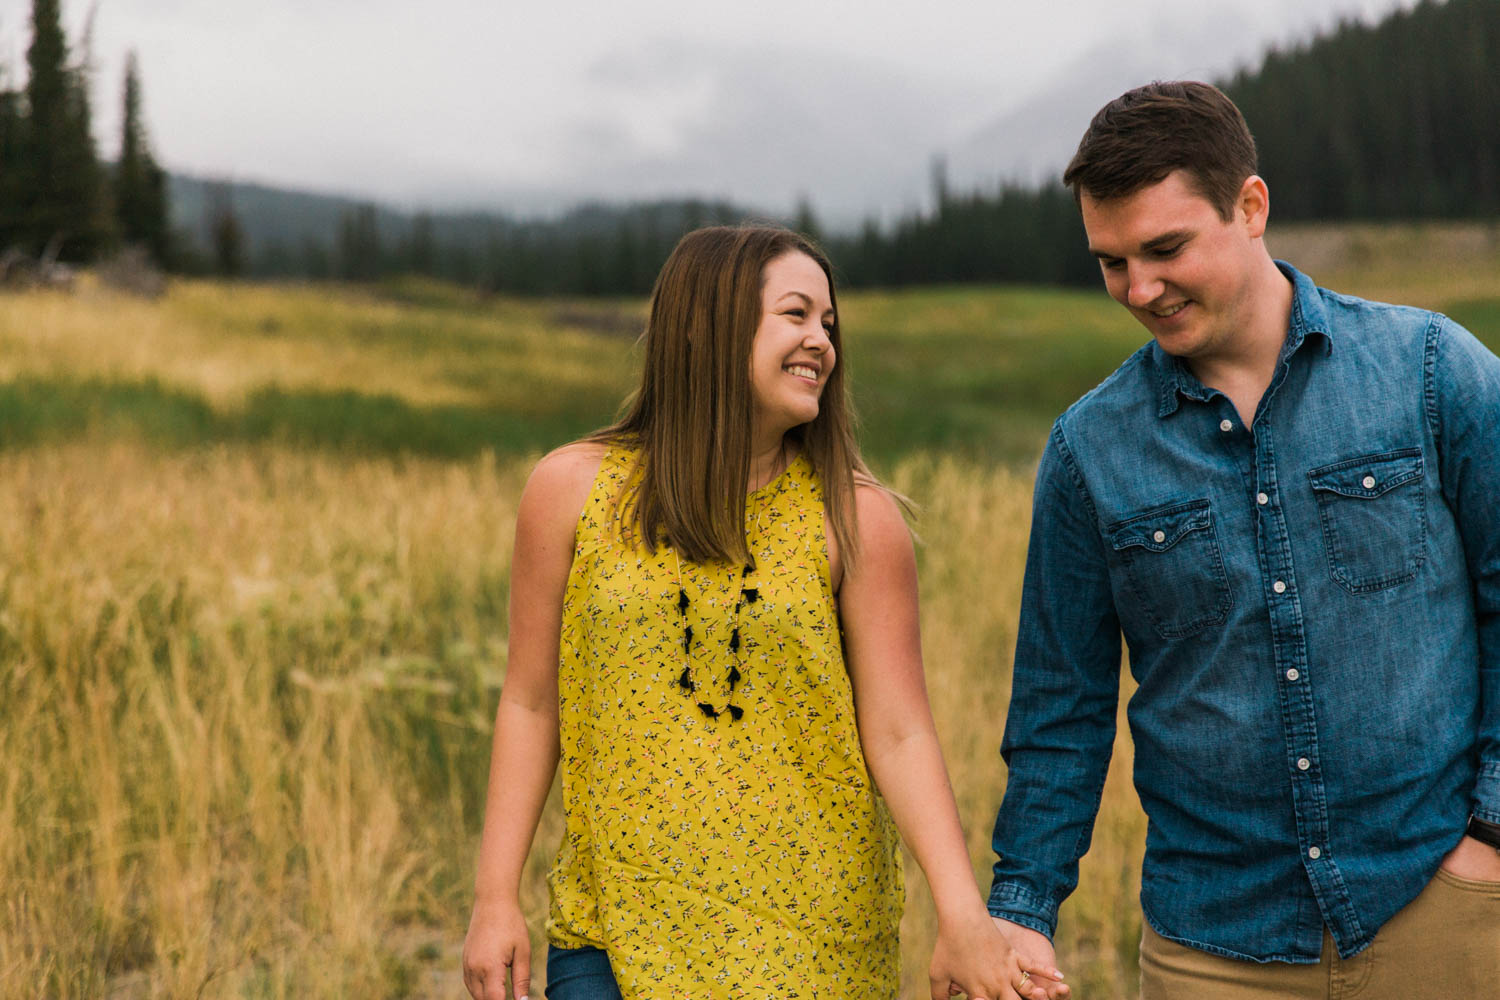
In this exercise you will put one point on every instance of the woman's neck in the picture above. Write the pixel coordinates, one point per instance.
(767, 461)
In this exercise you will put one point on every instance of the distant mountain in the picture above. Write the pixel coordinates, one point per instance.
(272, 217)
(1033, 141)
(267, 215)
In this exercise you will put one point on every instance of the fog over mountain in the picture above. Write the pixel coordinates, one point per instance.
(532, 108)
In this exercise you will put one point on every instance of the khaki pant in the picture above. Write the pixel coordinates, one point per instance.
(1445, 943)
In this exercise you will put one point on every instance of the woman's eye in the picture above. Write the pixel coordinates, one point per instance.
(799, 313)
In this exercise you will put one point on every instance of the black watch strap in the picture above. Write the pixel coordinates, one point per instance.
(1485, 832)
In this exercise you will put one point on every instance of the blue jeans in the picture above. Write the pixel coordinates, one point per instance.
(580, 974)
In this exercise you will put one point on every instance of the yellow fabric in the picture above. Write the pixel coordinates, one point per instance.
(709, 857)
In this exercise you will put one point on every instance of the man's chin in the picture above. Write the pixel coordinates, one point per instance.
(1179, 344)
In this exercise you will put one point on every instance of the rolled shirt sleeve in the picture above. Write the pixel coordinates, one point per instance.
(1464, 406)
(1060, 729)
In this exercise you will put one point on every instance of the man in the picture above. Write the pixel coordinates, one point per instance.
(1289, 504)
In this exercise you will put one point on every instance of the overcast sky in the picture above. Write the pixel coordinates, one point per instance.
(532, 105)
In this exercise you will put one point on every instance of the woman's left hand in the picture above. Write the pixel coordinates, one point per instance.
(972, 957)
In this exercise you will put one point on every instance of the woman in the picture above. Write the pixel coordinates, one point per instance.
(714, 628)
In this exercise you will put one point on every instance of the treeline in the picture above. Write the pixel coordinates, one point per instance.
(1396, 120)
(57, 201)
(591, 250)
(1017, 234)
(1393, 120)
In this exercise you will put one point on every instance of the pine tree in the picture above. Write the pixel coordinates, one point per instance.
(360, 256)
(225, 234)
(140, 185)
(61, 196)
(10, 164)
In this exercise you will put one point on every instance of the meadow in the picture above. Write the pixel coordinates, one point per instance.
(254, 551)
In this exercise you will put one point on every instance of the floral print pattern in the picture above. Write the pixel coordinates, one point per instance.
(713, 857)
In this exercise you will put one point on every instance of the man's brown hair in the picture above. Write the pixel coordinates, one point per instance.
(691, 417)
(1144, 134)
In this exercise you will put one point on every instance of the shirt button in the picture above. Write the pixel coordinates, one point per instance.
(1279, 586)
(1303, 763)
(1225, 425)
(1262, 499)
(1293, 674)
(1160, 536)
(1314, 852)
(1368, 482)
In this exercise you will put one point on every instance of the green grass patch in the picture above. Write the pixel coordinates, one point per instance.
(975, 372)
(978, 373)
(1481, 317)
(36, 410)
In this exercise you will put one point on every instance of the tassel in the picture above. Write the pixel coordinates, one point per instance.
(708, 710)
(735, 712)
(734, 677)
(734, 640)
(682, 601)
(685, 682)
(687, 639)
(751, 595)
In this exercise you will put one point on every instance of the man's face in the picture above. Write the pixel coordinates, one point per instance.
(1180, 269)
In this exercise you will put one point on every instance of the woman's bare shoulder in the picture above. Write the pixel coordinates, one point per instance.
(559, 484)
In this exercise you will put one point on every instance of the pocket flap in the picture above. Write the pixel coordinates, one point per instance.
(1371, 476)
(1159, 530)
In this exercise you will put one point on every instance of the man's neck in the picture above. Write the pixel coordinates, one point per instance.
(1244, 373)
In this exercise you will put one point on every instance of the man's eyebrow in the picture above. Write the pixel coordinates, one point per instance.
(1154, 243)
(1166, 239)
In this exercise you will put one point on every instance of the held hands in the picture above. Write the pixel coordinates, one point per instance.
(497, 952)
(973, 957)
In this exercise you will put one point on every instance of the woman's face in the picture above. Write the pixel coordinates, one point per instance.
(792, 355)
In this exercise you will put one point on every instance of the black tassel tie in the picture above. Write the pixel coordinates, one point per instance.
(748, 595)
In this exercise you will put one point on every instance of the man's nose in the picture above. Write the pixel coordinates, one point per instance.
(1145, 286)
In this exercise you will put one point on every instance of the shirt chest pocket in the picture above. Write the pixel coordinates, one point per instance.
(1374, 518)
(1171, 560)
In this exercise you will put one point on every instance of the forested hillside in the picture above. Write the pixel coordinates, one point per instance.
(1398, 120)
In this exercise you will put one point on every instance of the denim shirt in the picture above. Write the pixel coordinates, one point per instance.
(1312, 611)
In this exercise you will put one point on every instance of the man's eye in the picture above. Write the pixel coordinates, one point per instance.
(1170, 251)
(1112, 265)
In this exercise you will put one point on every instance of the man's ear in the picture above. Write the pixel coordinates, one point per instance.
(1253, 206)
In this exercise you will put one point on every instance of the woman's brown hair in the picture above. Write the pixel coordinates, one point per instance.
(691, 416)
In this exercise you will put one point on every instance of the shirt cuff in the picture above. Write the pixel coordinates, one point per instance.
(1012, 902)
(1487, 793)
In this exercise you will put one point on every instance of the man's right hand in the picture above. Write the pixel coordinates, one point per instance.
(1035, 952)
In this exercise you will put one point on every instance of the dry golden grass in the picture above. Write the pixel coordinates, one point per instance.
(223, 341)
(219, 671)
(1428, 264)
(245, 690)
(974, 526)
(246, 714)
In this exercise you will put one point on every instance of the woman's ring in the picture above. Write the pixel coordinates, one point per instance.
(1025, 978)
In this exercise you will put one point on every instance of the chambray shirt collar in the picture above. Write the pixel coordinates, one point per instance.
(1309, 316)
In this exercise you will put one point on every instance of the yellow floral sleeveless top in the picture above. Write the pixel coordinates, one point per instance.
(715, 857)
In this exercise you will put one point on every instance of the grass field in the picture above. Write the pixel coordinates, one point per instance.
(254, 546)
